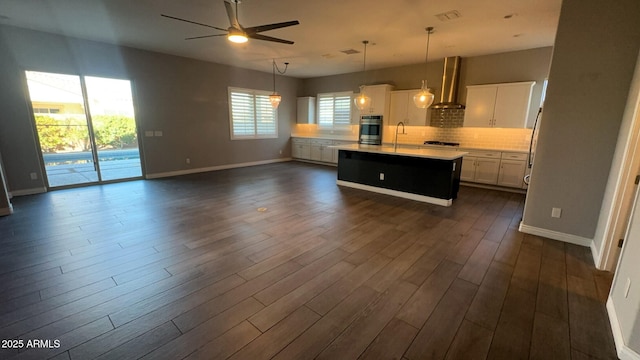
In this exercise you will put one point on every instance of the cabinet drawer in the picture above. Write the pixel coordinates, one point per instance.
(514, 156)
(300, 141)
(317, 142)
(484, 154)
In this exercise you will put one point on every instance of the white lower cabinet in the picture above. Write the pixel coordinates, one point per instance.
(512, 170)
(321, 151)
(481, 167)
(301, 148)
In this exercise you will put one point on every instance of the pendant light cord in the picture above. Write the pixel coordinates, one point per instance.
(364, 63)
(275, 67)
(426, 56)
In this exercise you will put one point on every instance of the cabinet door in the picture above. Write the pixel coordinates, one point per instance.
(380, 99)
(468, 170)
(512, 105)
(415, 115)
(511, 173)
(487, 170)
(316, 152)
(301, 151)
(326, 154)
(480, 106)
(398, 107)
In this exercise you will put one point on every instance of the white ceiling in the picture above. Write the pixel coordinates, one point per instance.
(395, 29)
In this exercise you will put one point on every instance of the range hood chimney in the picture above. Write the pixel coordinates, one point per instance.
(450, 79)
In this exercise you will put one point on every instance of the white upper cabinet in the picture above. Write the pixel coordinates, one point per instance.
(498, 105)
(380, 98)
(403, 109)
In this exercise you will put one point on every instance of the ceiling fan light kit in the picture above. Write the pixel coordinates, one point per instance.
(425, 97)
(236, 36)
(362, 101)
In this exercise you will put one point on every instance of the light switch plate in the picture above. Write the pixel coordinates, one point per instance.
(148, 133)
(157, 133)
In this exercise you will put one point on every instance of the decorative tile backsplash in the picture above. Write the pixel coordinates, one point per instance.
(447, 118)
(498, 138)
(489, 138)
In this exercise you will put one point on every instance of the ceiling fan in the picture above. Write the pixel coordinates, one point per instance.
(236, 32)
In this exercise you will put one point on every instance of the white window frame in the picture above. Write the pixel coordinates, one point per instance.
(329, 120)
(260, 98)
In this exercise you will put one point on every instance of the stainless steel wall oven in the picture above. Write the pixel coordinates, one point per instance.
(370, 130)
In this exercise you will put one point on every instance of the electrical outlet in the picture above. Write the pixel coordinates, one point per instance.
(187, 160)
(34, 176)
(556, 212)
(381, 176)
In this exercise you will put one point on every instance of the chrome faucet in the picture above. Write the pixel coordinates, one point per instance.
(395, 143)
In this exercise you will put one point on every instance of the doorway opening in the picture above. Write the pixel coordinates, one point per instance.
(86, 128)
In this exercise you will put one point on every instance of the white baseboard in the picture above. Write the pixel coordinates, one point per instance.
(24, 192)
(556, 235)
(6, 211)
(405, 195)
(213, 168)
(624, 352)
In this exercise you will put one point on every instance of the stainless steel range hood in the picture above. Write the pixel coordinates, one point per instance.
(450, 79)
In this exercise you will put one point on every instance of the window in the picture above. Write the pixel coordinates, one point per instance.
(251, 114)
(334, 109)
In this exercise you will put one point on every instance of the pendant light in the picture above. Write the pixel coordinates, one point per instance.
(275, 98)
(425, 97)
(362, 101)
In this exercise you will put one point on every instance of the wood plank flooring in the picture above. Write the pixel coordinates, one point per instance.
(276, 261)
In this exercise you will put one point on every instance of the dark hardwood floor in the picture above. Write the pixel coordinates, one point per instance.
(276, 261)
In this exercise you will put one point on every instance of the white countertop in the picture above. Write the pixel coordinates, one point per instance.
(326, 137)
(388, 150)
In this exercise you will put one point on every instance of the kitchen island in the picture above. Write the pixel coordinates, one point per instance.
(427, 175)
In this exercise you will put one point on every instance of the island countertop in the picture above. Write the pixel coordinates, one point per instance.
(389, 150)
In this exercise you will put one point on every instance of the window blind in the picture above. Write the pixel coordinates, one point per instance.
(252, 115)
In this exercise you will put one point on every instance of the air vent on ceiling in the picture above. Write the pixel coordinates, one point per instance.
(449, 15)
(350, 51)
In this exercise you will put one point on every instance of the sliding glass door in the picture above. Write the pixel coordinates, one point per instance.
(86, 128)
(114, 127)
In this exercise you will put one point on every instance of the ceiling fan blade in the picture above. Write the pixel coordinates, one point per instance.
(204, 36)
(192, 22)
(261, 28)
(269, 38)
(233, 19)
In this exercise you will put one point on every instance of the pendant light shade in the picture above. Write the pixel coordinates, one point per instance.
(276, 98)
(362, 101)
(425, 97)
